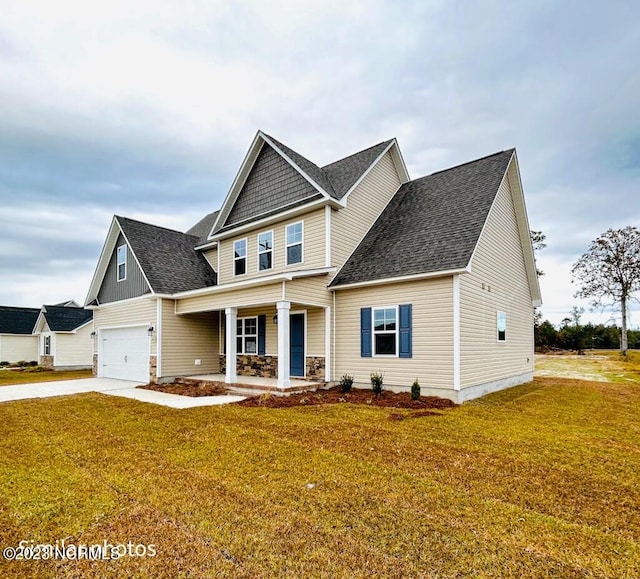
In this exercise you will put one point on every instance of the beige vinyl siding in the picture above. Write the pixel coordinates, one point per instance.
(309, 290)
(264, 294)
(432, 333)
(315, 330)
(364, 204)
(75, 349)
(313, 248)
(14, 348)
(127, 313)
(186, 339)
(211, 255)
(498, 264)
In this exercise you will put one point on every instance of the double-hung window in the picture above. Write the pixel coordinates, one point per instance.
(240, 257)
(247, 335)
(385, 331)
(501, 325)
(122, 263)
(294, 243)
(265, 250)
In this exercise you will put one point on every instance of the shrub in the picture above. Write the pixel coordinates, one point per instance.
(21, 363)
(32, 363)
(4, 363)
(346, 383)
(415, 390)
(37, 369)
(376, 382)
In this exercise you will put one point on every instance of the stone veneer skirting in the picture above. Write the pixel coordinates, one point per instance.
(153, 369)
(267, 366)
(95, 365)
(46, 362)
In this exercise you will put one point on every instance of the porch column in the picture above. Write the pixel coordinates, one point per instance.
(284, 341)
(230, 337)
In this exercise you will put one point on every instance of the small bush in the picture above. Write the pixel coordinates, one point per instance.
(4, 363)
(376, 383)
(21, 363)
(415, 390)
(32, 363)
(37, 369)
(346, 383)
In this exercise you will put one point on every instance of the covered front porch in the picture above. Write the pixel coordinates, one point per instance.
(272, 330)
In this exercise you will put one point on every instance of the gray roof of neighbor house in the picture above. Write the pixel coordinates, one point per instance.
(203, 227)
(167, 257)
(66, 318)
(432, 224)
(15, 320)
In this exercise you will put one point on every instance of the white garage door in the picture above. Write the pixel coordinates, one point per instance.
(125, 354)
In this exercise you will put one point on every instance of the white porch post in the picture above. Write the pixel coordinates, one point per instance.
(284, 379)
(327, 344)
(230, 338)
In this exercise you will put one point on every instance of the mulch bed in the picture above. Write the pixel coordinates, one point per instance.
(333, 395)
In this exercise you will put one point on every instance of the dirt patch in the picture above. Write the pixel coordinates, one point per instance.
(194, 390)
(357, 396)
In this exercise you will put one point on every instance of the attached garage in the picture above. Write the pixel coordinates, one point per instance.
(123, 353)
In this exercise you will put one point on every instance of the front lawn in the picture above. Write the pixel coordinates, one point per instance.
(11, 377)
(542, 480)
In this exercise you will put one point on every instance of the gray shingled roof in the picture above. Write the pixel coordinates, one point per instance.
(311, 169)
(432, 224)
(167, 257)
(344, 173)
(66, 318)
(203, 227)
(17, 320)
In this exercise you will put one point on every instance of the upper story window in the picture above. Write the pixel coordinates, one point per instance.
(265, 250)
(294, 243)
(501, 319)
(385, 331)
(122, 262)
(247, 335)
(240, 257)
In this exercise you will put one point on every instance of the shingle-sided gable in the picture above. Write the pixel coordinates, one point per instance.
(431, 225)
(272, 184)
(17, 320)
(202, 229)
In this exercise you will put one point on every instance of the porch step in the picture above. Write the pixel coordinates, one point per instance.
(254, 389)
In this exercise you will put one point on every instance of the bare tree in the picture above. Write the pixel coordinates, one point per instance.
(609, 272)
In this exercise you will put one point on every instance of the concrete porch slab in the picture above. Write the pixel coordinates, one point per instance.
(253, 385)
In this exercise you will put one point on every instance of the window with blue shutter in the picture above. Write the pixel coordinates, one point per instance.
(365, 332)
(405, 349)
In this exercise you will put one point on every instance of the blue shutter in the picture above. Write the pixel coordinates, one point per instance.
(262, 331)
(365, 332)
(405, 331)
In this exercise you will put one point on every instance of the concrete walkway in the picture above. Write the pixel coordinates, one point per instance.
(112, 388)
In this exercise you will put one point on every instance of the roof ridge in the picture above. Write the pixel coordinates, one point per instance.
(152, 225)
(467, 163)
(357, 153)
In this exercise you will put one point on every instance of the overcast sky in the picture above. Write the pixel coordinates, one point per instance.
(146, 109)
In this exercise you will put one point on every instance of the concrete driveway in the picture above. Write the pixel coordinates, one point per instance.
(112, 388)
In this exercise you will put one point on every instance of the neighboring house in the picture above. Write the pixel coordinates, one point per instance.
(315, 272)
(17, 342)
(63, 334)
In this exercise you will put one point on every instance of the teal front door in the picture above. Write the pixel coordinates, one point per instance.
(296, 349)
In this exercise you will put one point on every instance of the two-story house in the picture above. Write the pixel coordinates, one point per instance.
(314, 272)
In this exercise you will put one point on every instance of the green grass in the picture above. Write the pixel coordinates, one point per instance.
(12, 377)
(542, 480)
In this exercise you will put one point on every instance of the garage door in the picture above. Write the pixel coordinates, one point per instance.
(125, 354)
